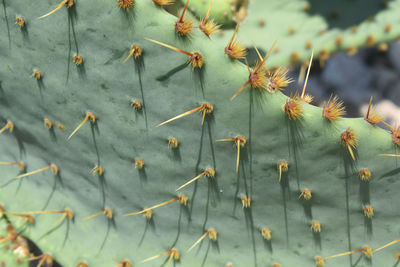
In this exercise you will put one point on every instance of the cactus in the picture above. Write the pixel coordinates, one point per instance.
(274, 179)
(302, 26)
(223, 11)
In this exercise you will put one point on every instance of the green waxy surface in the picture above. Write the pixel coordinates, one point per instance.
(222, 11)
(104, 34)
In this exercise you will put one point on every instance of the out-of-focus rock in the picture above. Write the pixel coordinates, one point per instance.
(349, 77)
(394, 55)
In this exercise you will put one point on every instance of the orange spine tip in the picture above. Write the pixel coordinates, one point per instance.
(184, 11)
(240, 90)
(208, 27)
(233, 35)
(184, 27)
(208, 11)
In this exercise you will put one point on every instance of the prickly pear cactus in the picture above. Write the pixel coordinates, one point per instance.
(225, 12)
(303, 26)
(95, 172)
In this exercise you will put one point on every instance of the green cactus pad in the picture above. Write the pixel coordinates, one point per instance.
(166, 85)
